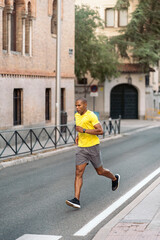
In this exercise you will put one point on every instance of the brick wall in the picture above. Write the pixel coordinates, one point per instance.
(33, 74)
(43, 60)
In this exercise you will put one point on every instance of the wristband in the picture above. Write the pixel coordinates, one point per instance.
(84, 130)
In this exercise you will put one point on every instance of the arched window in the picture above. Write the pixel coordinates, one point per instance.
(54, 18)
(17, 27)
(13, 28)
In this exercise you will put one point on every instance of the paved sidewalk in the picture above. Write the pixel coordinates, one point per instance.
(134, 125)
(140, 220)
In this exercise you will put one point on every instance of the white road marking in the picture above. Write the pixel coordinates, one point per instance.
(38, 237)
(99, 218)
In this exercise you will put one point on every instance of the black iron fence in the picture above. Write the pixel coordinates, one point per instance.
(28, 141)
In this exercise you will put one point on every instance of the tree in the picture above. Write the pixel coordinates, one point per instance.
(141, 38)
(93, 52)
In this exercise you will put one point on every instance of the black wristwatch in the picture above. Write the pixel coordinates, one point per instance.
(84, 130)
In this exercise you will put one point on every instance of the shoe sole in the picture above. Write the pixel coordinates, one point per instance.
(72, 204)
(118, 181)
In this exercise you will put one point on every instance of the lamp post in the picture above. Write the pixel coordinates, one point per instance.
(58, 64)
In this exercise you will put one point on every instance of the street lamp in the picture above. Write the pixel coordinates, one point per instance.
(58, 65)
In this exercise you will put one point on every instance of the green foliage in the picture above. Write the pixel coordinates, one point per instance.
(93, 53)
(141, 38)
(122, 4)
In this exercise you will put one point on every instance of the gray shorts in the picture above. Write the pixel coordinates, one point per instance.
(89, 154)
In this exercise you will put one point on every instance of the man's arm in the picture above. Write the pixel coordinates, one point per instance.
(96, 131)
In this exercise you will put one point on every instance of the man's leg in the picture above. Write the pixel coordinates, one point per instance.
(79, 179)
(78, 185)
(106, 173)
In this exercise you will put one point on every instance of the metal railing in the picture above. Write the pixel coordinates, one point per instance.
(28, 141)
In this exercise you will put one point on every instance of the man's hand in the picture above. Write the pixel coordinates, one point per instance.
(96, 131)
(79, 129)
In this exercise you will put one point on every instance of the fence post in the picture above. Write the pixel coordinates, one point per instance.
(103, 125)
(115, 127)
(110, 126)
(119, 124)
(55, 136)
(66, 131)
(16, 142)
(31, 141)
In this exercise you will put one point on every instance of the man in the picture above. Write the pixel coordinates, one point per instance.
(88, 127)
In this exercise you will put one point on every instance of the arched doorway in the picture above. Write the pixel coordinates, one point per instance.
(124, 102)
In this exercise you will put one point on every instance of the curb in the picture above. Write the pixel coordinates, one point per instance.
(25, 159)
(105, 230)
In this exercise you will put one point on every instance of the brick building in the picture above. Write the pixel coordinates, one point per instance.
(28, 61)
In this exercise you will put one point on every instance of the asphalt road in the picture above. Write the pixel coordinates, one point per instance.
(32, 195)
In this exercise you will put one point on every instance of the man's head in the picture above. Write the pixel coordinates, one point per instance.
(81, 105)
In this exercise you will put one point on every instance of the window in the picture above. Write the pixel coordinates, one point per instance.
(27, 29)
(17, 27)
(82, 81)
(147, 80)
(17, 106)
(54, 18)
(62, 99)
(123, 17)
(13, 28)
(4, 17)
(109, 17)
(48, 105)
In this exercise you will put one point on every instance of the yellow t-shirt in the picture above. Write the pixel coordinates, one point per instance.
(87, 121)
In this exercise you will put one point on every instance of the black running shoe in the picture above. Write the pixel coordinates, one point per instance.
(73, 203)
(115, 184)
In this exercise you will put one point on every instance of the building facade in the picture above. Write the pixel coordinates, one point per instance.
(133, 92)
(28, 34)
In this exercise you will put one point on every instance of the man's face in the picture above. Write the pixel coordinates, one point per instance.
(81, 107)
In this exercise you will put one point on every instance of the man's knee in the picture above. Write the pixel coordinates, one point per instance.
(79, 173)
(100, 171)
(80, 170)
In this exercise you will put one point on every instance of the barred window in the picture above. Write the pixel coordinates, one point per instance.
(17, 107)
(63, 95)
(48, 104)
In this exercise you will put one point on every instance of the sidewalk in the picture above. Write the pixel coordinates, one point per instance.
(134, 125)
(140, 220)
